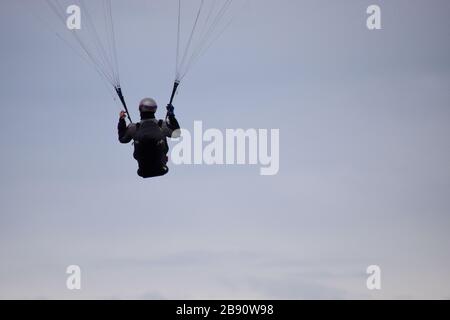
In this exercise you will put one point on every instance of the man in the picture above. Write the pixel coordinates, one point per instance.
(150, 138)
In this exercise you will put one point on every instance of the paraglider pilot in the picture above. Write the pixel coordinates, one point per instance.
(150, 138)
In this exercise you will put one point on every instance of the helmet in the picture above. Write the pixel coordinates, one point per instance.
(148, 105)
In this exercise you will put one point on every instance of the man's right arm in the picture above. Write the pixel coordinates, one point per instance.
(123, 130)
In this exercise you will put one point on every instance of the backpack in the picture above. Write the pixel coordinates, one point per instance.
(150, 145)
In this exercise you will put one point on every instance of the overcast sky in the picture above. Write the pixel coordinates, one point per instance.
(364, 177)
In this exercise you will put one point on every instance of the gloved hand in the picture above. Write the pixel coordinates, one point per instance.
(170, 110)
(123, 115)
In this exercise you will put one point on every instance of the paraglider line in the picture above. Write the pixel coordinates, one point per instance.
(174, 91)
(122, 99)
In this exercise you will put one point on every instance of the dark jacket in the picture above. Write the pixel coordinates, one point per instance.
(169, 129)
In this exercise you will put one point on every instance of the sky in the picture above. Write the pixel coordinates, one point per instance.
(364, 157)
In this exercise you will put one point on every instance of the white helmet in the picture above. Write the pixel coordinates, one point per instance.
(148, 105)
